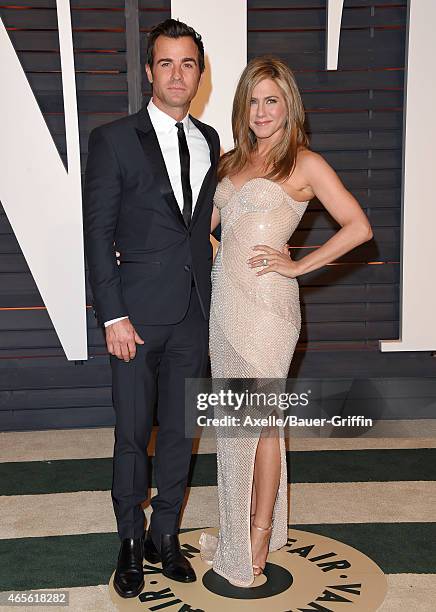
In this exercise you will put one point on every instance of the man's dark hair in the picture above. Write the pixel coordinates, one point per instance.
(174, 29)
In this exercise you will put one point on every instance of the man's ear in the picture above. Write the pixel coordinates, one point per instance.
(149, 73)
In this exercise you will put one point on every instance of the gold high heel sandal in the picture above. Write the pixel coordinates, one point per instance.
(258, 567)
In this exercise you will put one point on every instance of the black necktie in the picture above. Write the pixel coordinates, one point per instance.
(184, 166)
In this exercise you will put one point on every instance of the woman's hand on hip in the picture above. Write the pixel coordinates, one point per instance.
(272, 260)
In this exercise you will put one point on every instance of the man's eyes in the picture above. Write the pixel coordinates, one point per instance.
(186, 65)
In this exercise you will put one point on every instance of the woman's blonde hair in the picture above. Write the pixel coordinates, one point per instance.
(280, 161)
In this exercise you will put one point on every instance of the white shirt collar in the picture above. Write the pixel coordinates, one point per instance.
(163, 122)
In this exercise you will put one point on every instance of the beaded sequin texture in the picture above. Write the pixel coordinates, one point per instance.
(255, 322)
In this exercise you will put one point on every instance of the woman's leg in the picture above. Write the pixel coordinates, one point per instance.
(265, 485)
(253, 501)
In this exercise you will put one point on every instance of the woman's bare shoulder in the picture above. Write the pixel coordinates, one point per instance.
(312, 165)
(307, 157)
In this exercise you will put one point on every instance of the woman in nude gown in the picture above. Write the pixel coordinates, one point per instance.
(265, 184)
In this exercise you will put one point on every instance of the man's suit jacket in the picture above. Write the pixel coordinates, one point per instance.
(129, 206)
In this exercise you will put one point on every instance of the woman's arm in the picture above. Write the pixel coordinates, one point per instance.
(343, 207)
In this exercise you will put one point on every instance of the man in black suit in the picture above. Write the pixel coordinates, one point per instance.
(149, 185)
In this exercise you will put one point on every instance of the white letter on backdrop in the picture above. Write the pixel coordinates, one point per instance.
(223, 26)
(417, 289)
(42, 200)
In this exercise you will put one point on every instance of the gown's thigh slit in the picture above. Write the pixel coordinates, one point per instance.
(250, 497)
(269, 431)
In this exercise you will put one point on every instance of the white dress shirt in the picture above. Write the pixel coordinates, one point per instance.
(166, 132)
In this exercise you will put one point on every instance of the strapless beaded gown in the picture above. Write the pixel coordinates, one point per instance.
(254, 326)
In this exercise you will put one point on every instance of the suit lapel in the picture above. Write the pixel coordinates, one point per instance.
(210, 173)
(150, 146)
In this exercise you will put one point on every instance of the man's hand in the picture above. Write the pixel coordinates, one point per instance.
(121, 340)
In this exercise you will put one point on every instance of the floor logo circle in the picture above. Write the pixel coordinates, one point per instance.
(311, 572)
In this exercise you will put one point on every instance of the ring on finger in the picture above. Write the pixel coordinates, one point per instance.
(264, 262)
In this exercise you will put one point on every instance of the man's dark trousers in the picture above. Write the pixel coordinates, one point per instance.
(170, 354)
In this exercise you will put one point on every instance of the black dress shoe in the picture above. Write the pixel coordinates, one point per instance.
(174, 565)
(129, 575)
(151, 554)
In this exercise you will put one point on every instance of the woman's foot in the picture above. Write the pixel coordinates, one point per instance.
(259, 546)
